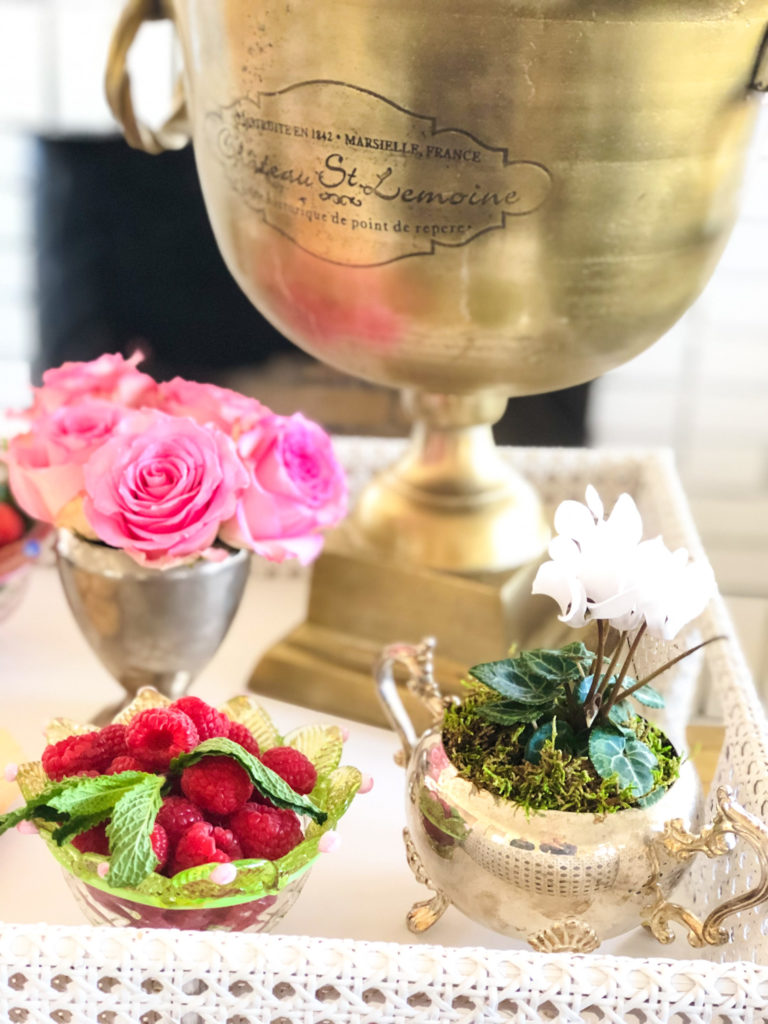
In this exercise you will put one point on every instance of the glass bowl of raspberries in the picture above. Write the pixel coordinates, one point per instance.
(20, 545)
(181, 815)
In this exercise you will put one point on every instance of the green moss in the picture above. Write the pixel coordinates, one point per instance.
(491, 757)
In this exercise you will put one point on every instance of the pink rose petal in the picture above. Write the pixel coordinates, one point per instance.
(344, 734)
(26, 828)
(11, 772)
(102, 869)
(366, 785)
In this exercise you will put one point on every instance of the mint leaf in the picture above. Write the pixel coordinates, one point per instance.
(96, 795)
(268, 782)
(75, 826)
(39, 807)
(133, 817)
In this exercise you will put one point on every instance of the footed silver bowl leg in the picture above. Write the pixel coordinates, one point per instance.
(423, 915)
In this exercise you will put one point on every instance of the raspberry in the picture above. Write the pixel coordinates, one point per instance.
(89, 752)
(160, 845)
(93, 841)
(203, 843)
(265, 832)
(11, 524)
(293, 767)
(157, 735)
(112, 739)
(208, 721)
(126, 763)
(176, 815)
(242, 734)
(217, 785)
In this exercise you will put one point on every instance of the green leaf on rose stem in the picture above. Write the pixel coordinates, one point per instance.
(557, 729)
(509, 712)
(648, 696)
(133, 817)
(613, 752)
(268, 782)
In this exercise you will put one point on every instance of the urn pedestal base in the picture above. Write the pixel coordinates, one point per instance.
(358, 602)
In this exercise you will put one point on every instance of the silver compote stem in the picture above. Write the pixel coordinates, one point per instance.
(149, 627)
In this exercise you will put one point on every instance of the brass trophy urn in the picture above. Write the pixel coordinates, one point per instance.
(468, 200)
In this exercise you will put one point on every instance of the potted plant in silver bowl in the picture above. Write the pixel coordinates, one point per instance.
(545, 804)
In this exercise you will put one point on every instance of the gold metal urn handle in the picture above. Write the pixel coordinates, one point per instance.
(418, 659)
(175, 133)
(731, 821)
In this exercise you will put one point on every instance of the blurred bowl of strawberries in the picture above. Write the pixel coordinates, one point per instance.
(21, 541)
(182, 815)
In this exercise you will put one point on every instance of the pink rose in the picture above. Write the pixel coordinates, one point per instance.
(110, 377)
(162, 486)
(297, 488)
(45, 466)
(206, 403)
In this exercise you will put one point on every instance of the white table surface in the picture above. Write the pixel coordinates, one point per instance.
(362, 891)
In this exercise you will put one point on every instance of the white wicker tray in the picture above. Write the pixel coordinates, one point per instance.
(101, 976)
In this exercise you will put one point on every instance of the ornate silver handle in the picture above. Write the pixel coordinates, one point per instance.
(714, 840)
(175, 133)
(419, 661)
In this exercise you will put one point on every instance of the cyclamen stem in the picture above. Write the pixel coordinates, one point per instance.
(597, 666)
(617, 690)
(669, 664)
(599, 684)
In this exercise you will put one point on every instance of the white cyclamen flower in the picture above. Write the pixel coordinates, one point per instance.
(591, 558)
(671, 591)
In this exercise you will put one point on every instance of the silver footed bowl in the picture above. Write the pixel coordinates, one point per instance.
(562, 881)
(150, 627)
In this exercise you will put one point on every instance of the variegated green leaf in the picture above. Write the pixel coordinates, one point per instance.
(560, 731)
(509, 712)
(648, 696)
(613, 752)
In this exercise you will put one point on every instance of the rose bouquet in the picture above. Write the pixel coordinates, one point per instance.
(560, 729)
(175, 471)
(181, 815)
